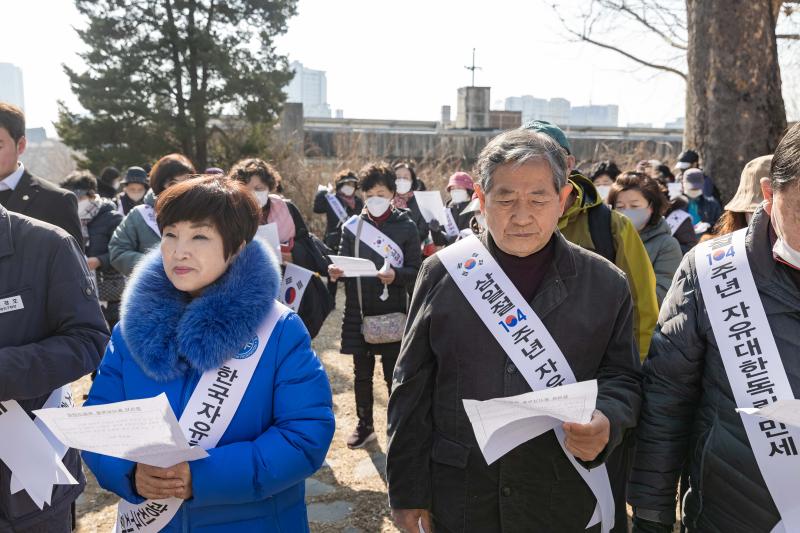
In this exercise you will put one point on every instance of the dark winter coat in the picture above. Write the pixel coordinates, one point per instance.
(688, 415)
(333, 226)
(448, 355)
(57, 337)
(101, 228)
(402, 231)
(664, 253)
(462, 221)
(40, 199)
(125, 203)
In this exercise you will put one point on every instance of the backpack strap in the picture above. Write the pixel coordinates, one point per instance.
(600, 231)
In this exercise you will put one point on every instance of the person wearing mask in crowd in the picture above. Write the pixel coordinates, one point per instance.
(680, 222)
(99, 218)
(200, 309)
(51, 334)
(727, 339)
(603, 176)
(664, 175)
(388, 237)
(704, 210)
(689, 159)
(431, 234)
(436, 472)
(139, 231)
(134, 187)
(298, 245)
(338, 206)
(640, 198)
(588, 222)
(739, 211)
(24, 193)
(108, 183)
(460, 187)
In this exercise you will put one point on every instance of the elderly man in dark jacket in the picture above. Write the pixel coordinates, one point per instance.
(437, 474)
(690, 394)
(51, 333)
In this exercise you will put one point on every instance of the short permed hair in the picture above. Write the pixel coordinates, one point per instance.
(167, 169)
(13, 120)
(225, 203)
(245, 169)
(373, 174)
(650, 188)
(80, 181)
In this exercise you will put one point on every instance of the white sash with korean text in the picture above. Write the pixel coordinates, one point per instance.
(753, 366)
(450, 228)
(526, 341)
(375, 239)
(204, 420)
(294, 284)
(149, 216)
(337, 206)
(676, 218)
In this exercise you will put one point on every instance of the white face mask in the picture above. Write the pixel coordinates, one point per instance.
(639, 216)
(348, 190)
(84, 207)
(782, 248)
(135, 196)
(403, 186)
(377, 205)
(262, 197)
(459, 196)
(603, 191)
(693, 193)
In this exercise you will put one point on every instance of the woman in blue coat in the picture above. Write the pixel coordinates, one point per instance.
(191, 306)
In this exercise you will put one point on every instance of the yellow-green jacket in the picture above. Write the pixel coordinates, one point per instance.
(631, 256)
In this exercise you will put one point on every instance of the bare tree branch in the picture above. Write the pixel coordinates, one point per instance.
(789, 36)
(630, 56)
(625, 8)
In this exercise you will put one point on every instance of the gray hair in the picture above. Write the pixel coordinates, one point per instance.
(519, 147)
(786, 161)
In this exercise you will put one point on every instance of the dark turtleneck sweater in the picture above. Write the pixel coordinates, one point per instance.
(526, 273)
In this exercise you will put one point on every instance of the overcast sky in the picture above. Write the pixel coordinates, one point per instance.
(387, 59)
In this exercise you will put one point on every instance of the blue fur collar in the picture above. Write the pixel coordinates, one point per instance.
(168, 333)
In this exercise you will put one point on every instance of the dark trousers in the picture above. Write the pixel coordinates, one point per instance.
(364, 367)
(62, 523)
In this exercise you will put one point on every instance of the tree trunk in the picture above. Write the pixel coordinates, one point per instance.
(734, 105)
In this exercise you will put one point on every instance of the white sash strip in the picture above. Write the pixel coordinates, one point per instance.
(753, 365)
(526, 341)
(451, 228)
(294, 284)
(676, 218)
(204, 420)
(337, 207)
(149, 216)
(375, 239)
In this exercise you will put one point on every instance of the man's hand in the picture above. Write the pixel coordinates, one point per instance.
(586, 441)
(334, 273)
(387, 277)
(156, 483)
(410, 520)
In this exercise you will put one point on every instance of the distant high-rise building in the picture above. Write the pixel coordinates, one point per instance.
(11, 90)
(594, 115)
(309, 87)
(678, 124)
(555, 110)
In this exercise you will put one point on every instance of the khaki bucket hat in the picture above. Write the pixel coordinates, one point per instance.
(748, 197)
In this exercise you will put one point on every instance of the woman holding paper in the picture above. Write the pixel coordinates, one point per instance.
(388, 237)
(199, 323)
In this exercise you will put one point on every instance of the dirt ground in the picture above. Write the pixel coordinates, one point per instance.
(356, 476)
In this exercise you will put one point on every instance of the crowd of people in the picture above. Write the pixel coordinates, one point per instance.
(535, 274)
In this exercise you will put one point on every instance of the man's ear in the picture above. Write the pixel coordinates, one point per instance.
(21, 145)
(571, 162)
(563, 196)
(481, 197)
(766, 190)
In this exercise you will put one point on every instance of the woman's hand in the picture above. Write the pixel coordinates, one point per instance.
(387, 277)
(156, 483)
(93, 263)
(334, 273)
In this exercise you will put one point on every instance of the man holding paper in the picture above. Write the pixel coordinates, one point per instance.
(517, 309)
(52, 332)
(727, 338)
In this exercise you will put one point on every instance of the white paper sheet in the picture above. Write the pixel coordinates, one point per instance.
(783, 411)
(354, 267)
(502, 424)
(29, 456)
(675, 190)
(430, 205)
(144, 431)
(268, 233)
